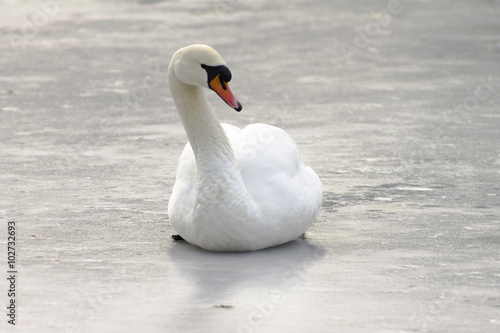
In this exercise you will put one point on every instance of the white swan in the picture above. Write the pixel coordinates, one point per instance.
(236, 190)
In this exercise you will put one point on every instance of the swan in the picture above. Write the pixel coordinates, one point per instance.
(235, 189)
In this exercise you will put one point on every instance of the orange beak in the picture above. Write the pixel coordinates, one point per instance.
(222, 89)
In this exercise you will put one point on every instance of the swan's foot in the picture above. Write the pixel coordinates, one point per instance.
(177, 238)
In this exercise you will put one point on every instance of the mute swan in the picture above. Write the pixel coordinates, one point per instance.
(235, 190)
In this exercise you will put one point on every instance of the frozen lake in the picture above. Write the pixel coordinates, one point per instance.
(396, 105)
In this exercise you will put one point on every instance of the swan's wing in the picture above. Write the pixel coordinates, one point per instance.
(275, 174)
(267, 150)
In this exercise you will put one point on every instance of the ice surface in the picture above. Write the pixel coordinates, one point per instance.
(397, 108)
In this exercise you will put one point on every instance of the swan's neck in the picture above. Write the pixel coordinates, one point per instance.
(208, 139)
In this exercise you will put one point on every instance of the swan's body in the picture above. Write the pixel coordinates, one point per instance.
(236, 190)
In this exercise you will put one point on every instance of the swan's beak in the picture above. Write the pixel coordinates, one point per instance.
(222, 89)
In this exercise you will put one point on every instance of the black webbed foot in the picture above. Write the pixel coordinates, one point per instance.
(177, 238)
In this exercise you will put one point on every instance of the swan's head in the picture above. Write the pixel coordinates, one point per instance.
(200, 65)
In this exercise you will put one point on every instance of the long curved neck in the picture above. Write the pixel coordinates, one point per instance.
(208, 139)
